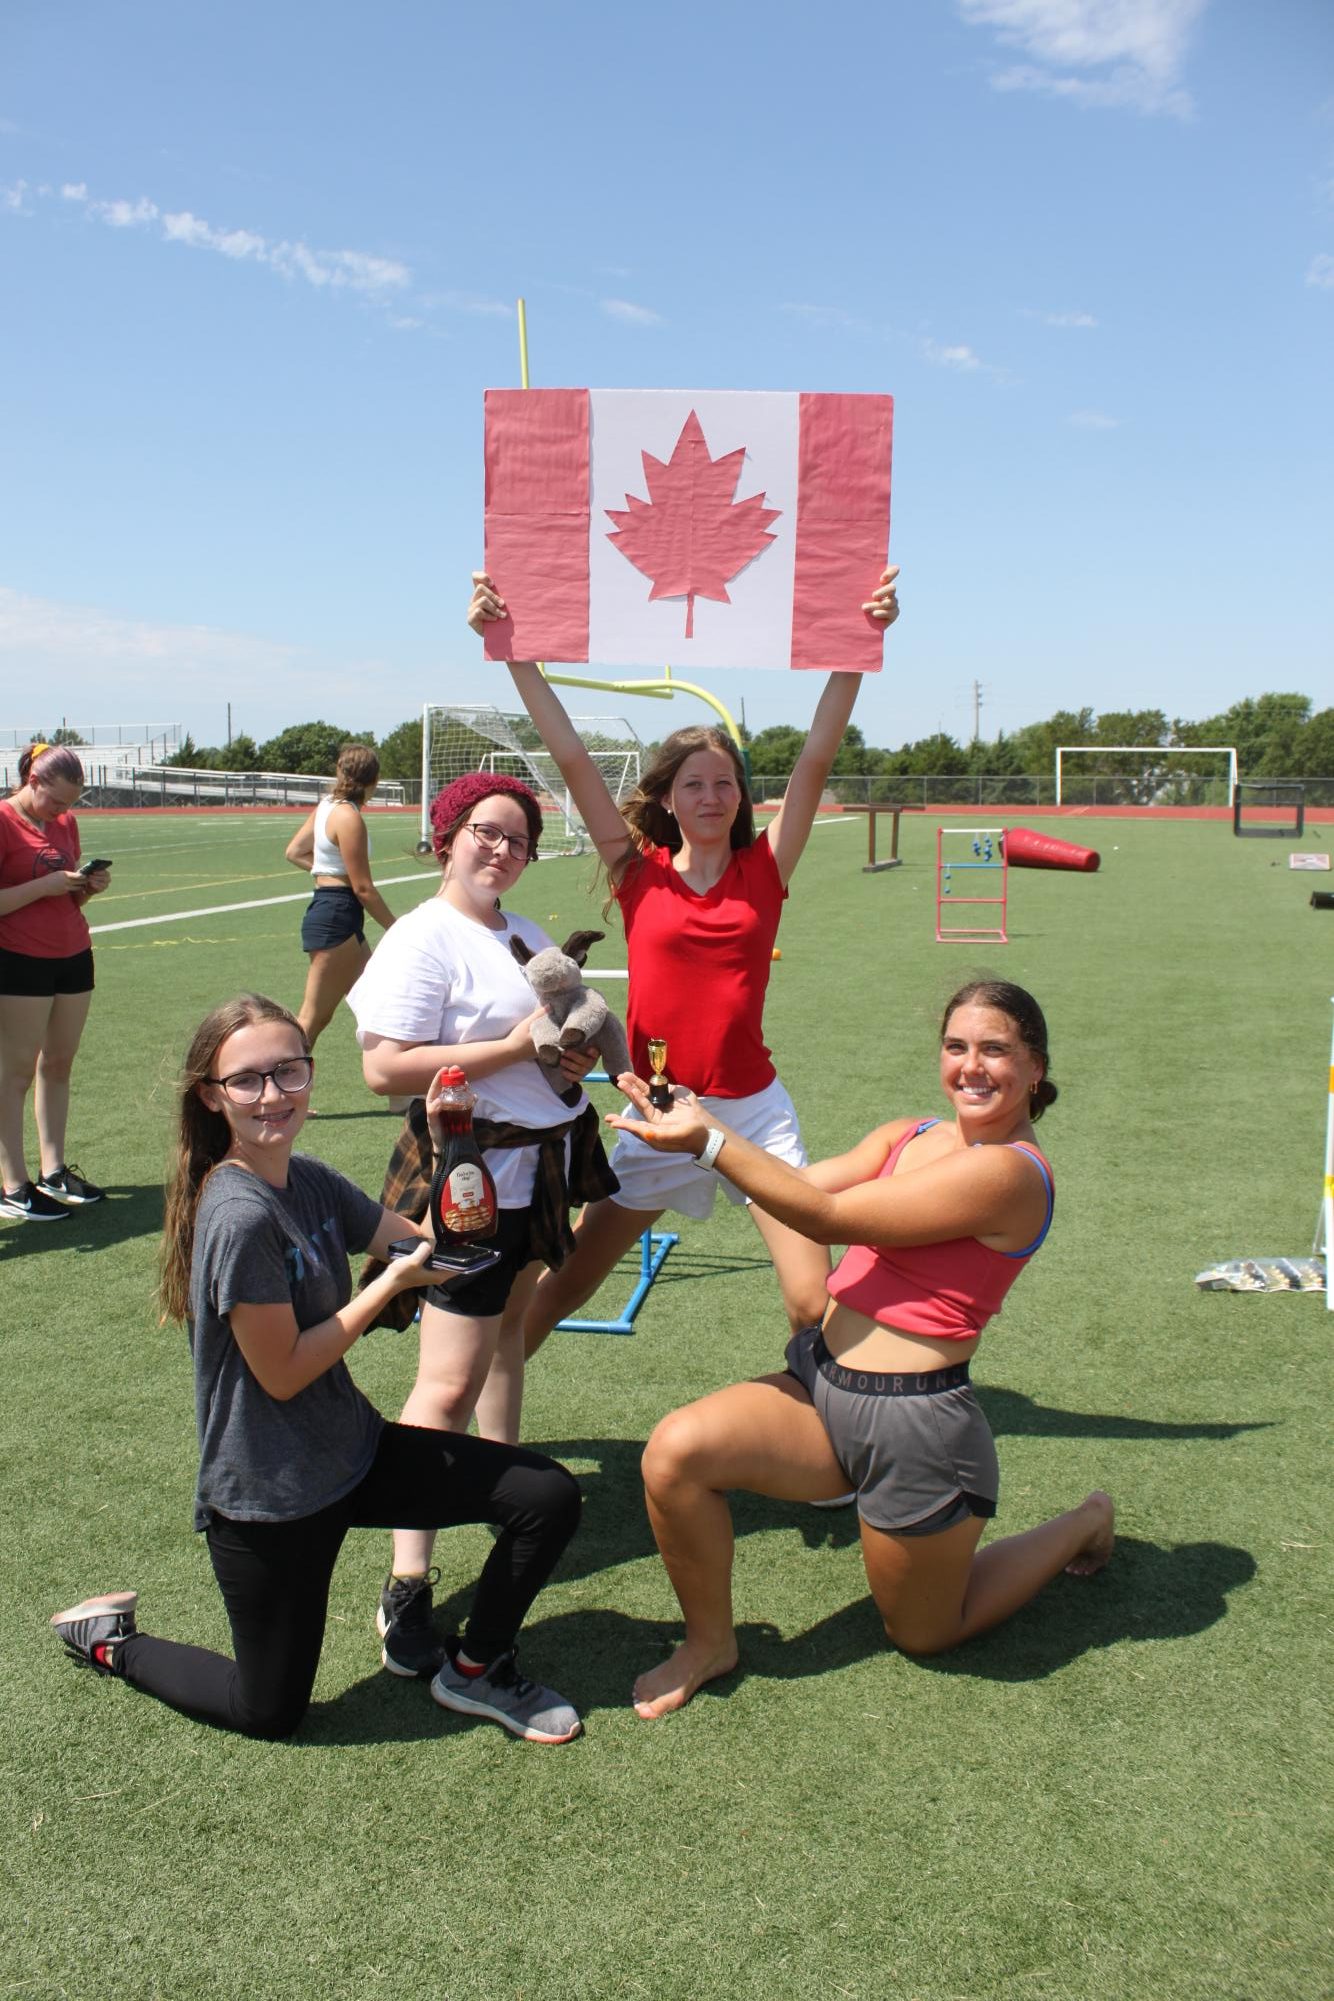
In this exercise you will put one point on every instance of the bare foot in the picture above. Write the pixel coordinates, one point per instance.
(1098, 1548)
(671, 1686)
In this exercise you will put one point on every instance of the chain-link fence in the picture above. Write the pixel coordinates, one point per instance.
(1017, 792)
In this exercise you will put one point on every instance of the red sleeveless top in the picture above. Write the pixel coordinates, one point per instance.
(948, 1291)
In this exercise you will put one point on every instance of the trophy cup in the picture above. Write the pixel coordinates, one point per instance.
(659, 1090)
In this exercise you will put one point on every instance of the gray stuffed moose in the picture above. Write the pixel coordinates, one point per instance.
(576, 1017)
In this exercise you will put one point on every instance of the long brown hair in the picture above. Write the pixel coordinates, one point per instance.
(646, 813)
(202, 1138)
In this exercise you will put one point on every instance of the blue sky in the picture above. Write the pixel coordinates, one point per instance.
(258, 264)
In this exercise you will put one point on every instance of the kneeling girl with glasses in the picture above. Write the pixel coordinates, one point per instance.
(443, 987)
(255, 1261)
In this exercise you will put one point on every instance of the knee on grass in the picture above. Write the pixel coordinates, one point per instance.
(272, 1719)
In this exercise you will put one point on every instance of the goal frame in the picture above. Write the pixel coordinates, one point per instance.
(1294, 800)
(1175, 750)
(620, 765)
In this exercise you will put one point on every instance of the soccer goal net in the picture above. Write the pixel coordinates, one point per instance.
(1146, 774)
(479, 738)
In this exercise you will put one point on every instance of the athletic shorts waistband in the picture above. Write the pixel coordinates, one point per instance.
(873, 1383)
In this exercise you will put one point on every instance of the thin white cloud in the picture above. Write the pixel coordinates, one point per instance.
(13, 198)
(336, 270)
(1067, 319)
(1094, 420)
(630, 314)
(1320, 271)
(833, 317)
(1114, 54)
(958, 356)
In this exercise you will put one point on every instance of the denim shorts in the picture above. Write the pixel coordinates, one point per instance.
(332, 917)
(917, 1448)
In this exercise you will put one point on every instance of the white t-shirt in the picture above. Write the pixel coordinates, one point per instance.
(438, 976)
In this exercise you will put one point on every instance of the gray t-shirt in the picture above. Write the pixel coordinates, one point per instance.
(263, 1460)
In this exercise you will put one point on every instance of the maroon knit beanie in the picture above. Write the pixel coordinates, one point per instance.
(461, 794)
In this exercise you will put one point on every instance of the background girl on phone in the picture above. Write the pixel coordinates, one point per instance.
(46, 979)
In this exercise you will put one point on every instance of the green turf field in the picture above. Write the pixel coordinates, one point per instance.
(1122, 1793)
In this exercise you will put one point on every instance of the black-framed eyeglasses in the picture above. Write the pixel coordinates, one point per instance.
(246, 1087)
(494, 838)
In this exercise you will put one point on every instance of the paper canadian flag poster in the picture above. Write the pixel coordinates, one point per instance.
(700, 528)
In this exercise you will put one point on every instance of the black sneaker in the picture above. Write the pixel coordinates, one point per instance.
(411, 1647)
(66, 1184)
(502, 1695)
(31, 1205)
(97, 1622)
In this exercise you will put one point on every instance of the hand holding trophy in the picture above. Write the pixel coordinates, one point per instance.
(659, 1090)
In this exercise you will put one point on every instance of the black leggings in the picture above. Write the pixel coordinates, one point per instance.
(274, 1576)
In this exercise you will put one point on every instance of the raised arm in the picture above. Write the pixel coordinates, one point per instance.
(597, 809)
(788, 831)
(993, 1192)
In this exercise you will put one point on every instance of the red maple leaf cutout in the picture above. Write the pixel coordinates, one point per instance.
(689, 536)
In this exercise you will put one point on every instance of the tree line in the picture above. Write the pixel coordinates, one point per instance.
(1275, 735)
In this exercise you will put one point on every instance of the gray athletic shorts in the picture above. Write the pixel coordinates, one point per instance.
(916, 1447)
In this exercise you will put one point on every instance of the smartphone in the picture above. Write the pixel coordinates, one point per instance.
(455, 1265)
(91, 868)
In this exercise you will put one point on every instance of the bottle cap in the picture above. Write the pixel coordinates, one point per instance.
(451, 1076)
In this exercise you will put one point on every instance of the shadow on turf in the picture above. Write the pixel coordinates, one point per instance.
(126, 1214)
(1010, 1411)
(593, 1656)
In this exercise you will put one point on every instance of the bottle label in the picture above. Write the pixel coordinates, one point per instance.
(467, 1205)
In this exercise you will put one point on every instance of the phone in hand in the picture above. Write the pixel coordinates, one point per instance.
(448, 1265)
(92, 867)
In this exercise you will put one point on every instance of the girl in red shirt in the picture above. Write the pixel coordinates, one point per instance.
(701, 894)
(46, 978)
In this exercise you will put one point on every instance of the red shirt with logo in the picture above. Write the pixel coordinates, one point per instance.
(699, 968)
(54, 927)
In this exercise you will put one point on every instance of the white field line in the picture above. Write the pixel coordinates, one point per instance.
(303, 896)
(225, 909)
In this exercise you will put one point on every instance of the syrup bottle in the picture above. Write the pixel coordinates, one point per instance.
(464, 1209)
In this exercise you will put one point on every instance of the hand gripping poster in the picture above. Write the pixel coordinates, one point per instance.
(700, 528)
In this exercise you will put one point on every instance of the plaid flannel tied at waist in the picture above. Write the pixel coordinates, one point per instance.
(407, 1185)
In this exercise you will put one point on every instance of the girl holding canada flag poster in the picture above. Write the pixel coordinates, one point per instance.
(701, 894)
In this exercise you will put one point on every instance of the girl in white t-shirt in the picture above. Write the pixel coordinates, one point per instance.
(443, 987)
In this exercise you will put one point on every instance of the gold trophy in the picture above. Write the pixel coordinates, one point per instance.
(659, 1090)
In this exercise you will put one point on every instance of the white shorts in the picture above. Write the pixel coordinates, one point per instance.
(655, 1181)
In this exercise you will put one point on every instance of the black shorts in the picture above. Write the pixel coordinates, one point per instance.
(487, 1295)
(332, 917)
(36, 979)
